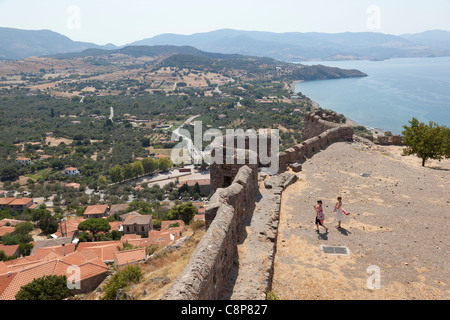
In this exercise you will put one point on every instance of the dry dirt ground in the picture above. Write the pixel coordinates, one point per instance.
(398, 222)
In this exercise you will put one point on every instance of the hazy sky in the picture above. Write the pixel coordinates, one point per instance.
(122, 22)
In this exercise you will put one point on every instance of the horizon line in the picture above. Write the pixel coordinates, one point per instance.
(223, 29)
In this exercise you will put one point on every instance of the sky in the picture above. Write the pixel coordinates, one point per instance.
(122, 22)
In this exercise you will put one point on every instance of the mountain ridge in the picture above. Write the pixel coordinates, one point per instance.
(16, 44)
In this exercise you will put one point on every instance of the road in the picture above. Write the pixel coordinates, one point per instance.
(196, 154)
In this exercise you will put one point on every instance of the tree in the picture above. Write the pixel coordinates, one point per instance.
(164, 163)
(57, 164)
(94, 225)
(145, 142)
(138, 169)
(184, 212)
(9, 173)
(25, 249)
(48, 223)
(128, 171)
(116, 173)
(426, 141)
(101, 181)
(23, 228)
(149, 165)
(45, 288)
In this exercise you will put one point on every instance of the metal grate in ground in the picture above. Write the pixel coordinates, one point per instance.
(343, 251)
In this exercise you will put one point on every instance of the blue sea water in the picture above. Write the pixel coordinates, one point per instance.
(394, 92)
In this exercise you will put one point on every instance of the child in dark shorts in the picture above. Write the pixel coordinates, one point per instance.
(320, 216)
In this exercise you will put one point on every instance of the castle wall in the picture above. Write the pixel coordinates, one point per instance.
(206, 273)
(205, 276)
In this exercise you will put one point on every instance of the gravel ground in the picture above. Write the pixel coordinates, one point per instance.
(399, 223)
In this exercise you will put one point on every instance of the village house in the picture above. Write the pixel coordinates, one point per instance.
(122, 217)
(96, 211)
(23, 161)
(19, 272)
(50, 243)
(73, 185)
(115, 208)
(127, 257)
(174, 227)
(160, 238)
(71, 171)
(9, 222)
(5, 230)
(16, 205)
(45, 157)
(11, 250)
(4, 202)
(205, 184)
(137, 224)
(104, 249)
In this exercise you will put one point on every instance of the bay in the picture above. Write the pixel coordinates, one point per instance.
(394, 92)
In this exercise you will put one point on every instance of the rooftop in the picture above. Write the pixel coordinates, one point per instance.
(129, 256)
(96, 209)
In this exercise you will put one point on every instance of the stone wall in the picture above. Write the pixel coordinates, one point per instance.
(207, 271)
(235, 186)
(320, 121)
(395, 140)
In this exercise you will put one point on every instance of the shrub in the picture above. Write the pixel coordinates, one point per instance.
(45, 288)
(121, 280)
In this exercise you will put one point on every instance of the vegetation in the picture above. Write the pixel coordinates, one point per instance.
(184, 212)
(426, 141)
(94, 226)
(121, 280)
(45, 288)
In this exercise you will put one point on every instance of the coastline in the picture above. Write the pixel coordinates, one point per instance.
(294, 84)
(375, 132)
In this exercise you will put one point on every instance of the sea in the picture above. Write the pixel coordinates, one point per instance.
(395, 91)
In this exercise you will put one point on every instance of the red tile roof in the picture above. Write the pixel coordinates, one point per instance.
(12, 222)
(129, 256)
(191, 183)
(9, 250)
(89, 265)
(96, 209)
(59, 251)
(115, 225)
(4, 201)
(104, 249)
(20, 202)
(5, 230)
(166, 224)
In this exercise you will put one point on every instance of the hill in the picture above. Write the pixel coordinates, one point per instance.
(148, 59)
(296, 46)
(437, 39)
(19, 44)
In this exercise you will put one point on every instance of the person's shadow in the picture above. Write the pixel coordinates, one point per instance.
(343, 231)
(323, 236)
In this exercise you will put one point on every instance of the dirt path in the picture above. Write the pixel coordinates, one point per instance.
(399, 222)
